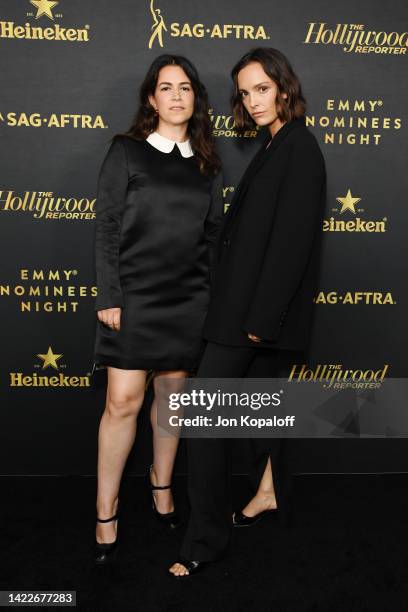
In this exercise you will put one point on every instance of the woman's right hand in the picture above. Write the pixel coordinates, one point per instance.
(110, 317)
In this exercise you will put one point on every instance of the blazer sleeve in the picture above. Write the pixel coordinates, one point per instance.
(111, 196)
(214, 217)
(297, 221)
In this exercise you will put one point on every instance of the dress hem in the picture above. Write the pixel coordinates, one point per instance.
(101, 364)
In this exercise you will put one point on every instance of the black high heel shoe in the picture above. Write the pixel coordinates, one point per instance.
(104, 552)
(241, 520)
(169, 519)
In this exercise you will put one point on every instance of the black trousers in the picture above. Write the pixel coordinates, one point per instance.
(210, 522)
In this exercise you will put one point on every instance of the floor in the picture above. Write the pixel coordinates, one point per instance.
(347, 549)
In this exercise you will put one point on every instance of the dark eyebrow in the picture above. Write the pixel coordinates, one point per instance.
(182, 83)
(258, 85)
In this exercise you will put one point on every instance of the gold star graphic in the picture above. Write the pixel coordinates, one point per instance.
(44, 7)
(348, 202)
(50, 359)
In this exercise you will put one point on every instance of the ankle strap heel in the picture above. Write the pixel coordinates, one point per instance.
(113, 518)
(169, 519)
(104, 551)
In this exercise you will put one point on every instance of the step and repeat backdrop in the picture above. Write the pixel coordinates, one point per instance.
(70, 76)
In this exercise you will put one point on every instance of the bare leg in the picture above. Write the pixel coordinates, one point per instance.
(164, 450)
(117, 430)
(265, 498)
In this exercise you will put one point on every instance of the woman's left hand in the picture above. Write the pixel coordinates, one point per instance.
(254, 338)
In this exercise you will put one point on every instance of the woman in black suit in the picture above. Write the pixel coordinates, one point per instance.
(260, 312)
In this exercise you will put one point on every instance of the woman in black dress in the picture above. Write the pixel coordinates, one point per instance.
(259, 318)
(158, 210)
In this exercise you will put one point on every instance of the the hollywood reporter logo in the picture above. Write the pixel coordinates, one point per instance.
(355, 38)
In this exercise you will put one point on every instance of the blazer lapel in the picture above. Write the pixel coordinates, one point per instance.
(243, 184)
(257, 162)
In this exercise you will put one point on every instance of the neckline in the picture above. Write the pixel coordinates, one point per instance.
(274, 141)
(166, 145)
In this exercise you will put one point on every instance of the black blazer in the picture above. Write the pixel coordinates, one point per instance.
(267, 254)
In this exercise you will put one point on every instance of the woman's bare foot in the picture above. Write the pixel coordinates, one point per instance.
(106, 532)
(178, 569)
(163, 498)
(260, 502)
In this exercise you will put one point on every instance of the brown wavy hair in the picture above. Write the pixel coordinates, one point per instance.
(278, 68)
(199, 126)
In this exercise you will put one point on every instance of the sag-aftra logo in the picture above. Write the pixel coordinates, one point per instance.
(160, 29)
(45, 13)
(355, 298)
(53, 120)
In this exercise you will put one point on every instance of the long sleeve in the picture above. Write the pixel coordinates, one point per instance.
(111, 196)
(297, 221)
(214, 216)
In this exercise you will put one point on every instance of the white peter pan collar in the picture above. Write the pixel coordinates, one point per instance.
(165, 145)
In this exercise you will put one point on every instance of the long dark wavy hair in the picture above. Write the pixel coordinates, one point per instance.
(199, 125)
(277, 67)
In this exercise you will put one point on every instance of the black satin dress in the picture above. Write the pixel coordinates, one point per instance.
(157, 218)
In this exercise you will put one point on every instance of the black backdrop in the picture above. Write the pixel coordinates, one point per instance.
(70, 75)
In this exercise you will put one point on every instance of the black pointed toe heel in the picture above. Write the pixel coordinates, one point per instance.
(104, 552)
(169, 519)
(193, 567)
(240, 520)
